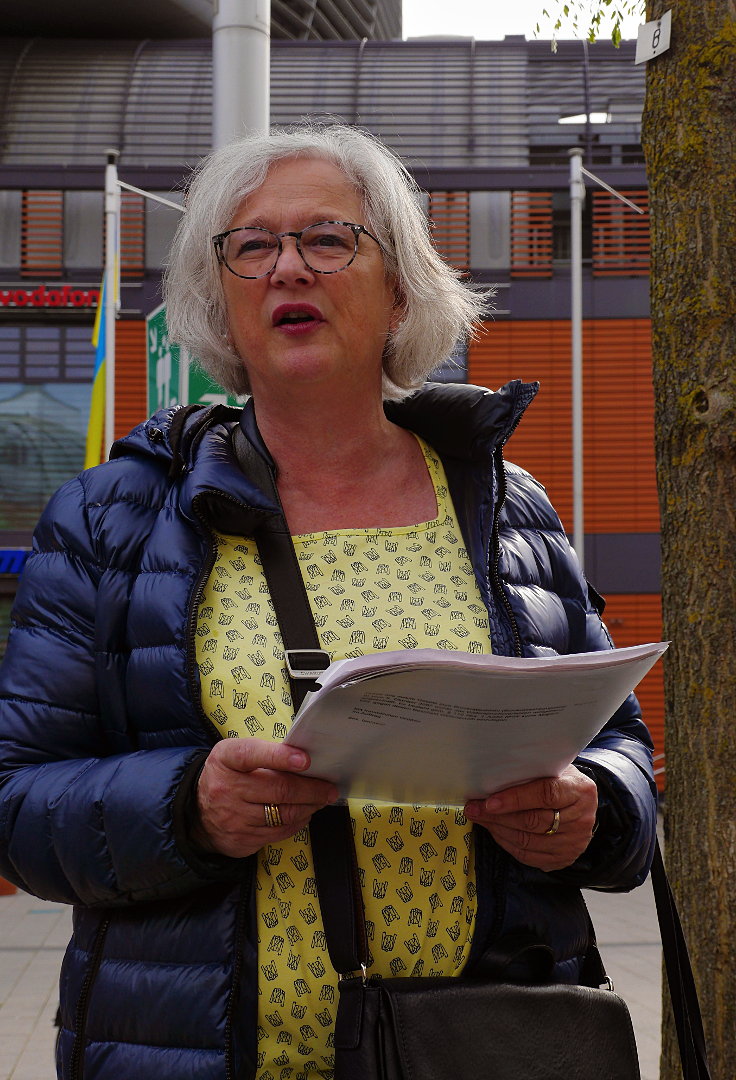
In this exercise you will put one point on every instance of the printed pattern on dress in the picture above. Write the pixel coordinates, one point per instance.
(370, 590)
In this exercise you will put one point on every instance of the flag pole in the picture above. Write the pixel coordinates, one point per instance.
(112, 302)
(577, 199)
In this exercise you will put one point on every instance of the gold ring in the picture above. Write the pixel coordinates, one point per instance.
(554, 826)
(273, 815)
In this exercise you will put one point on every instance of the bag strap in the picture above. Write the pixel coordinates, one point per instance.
(305, 657)
(342, 906)
(333, 849)
(683, 992)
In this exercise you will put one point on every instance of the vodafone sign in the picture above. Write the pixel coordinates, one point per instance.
(58, 296)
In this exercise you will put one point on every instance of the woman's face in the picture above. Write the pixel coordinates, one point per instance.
(296, 325)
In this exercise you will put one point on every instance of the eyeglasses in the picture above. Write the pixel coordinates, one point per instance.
(326, 248)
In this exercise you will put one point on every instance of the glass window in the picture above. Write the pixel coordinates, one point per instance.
(43, 417)
(10, 347)
(10, 216)
(43, 430)
(46, 354)
(490, 230)
(161, 223)
(561, 228)
(83, 219)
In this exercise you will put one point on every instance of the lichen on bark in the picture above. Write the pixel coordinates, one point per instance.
(689, 138)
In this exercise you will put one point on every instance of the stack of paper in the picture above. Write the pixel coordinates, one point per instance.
(431, 727)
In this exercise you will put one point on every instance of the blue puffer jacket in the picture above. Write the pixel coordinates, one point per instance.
(103, 733)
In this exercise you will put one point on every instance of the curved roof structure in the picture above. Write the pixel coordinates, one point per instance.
(452, 103)
(297, 20)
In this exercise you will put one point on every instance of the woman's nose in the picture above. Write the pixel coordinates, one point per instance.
(290, 265)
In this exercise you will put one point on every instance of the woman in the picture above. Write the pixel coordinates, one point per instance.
(145, 688)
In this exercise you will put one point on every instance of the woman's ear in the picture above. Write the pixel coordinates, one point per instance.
(227, 340)
(399, 309)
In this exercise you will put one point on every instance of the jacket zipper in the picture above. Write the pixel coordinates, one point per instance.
(190, 650)
(197, 593)
(76, 1061)
(496, 555)
(196, 698)
(497, 859)
(241, 916)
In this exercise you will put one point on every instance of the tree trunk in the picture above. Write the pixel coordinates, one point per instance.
(689, 136)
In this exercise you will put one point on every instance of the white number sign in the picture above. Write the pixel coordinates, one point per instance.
(653, 38)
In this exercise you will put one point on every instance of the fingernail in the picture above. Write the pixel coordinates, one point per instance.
(494, 803)
(298, 760)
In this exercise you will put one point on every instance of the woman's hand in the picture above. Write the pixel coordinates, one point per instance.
(519, 818)
(240, 778)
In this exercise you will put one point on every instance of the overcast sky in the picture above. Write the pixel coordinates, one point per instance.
(487, 19)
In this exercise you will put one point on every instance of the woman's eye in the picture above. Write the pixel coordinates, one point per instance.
(330, 240)
(252, 247)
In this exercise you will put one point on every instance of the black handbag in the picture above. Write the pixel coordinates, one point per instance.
(460, 1028)
(464, 1028)
(457, 1028)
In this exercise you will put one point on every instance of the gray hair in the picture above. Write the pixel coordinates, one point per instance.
(438, 309)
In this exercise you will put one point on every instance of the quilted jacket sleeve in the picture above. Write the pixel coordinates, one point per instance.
(78, 822)
(619, 759)
(557, 612)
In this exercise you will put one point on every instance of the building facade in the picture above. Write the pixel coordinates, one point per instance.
(486, 128)
(292, 20)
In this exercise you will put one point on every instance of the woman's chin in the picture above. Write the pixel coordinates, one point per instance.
(305, 371)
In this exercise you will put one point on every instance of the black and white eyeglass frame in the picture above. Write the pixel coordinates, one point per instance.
(357, 230)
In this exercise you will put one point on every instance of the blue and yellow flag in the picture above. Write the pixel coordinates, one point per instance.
(96, 425)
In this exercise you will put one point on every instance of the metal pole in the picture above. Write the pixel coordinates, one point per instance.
(112, 219)
(577, 199)
(241, 41)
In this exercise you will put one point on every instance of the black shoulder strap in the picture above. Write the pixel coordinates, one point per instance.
(330, 829)
(333, 849)
(684, 994)
(305, 657)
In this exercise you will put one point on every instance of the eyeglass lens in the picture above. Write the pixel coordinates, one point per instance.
(325, 247)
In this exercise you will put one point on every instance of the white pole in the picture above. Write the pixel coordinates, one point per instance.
(241, 41)
(577, 199)
(112, 232)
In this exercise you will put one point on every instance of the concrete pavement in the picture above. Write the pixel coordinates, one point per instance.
(33, 935)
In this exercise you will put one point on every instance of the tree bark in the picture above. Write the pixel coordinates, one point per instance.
(689, 139)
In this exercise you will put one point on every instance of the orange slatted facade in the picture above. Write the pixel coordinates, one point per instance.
(132, 236)
(531, 234)
(620, 485)
(620, 235)
(633, 619)
(42, 234)
(449, 212)
(131, 378)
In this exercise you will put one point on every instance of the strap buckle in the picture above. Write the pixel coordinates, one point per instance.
(306, 663)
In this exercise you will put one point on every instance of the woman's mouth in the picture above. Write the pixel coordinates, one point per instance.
(297, 318)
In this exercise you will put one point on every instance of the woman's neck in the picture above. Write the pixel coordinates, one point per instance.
(339, 467)
(336, 426)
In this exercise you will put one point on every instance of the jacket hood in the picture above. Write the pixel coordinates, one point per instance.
(459, 420)
(217, 489)
(462, 420)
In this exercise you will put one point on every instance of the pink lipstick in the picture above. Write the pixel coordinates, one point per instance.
(297, 318)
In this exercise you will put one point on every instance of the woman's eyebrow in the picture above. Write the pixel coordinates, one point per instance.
(309, 219)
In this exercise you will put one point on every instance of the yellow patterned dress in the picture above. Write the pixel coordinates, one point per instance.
(370, 590)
